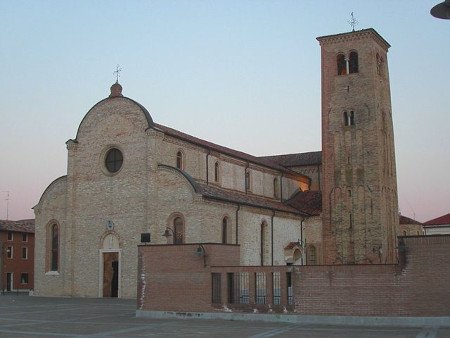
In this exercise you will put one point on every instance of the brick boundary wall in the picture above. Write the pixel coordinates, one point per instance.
(174, 278)
(418, 286)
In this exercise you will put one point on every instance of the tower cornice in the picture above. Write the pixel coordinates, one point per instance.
(356, 35)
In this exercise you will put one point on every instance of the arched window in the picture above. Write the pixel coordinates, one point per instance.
(341, 64)
(178, 230)
(275, 188)
(180, 160)
(54, 248)
(216, 172)
(353, 62)
(264, 236)
(404, 232)
(311, 257)
(224, 230)
(349, 118)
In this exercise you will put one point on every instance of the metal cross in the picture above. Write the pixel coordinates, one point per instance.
(117, 73)
(353, 22)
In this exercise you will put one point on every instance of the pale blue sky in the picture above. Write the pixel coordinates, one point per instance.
(243, 74)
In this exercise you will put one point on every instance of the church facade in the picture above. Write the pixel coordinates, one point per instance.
(128, 175)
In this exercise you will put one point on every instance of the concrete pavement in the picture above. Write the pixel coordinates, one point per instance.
(24, 316)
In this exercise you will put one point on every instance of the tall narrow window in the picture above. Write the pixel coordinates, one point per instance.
(352, 118)
(10, 236)
(178, 230)
(247, 180)
(346, 119)
(24, 237)
(264, 236)
(224, 230)
(54, 248)
(9, 252)
(24, 253)
(275, 188)
(180, 160)
(341, 64)
(311, 255)
(216, 172)
(353, 62)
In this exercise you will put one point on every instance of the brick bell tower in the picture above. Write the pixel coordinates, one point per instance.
(359, 203)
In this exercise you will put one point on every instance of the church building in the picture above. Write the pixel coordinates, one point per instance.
(130, 178)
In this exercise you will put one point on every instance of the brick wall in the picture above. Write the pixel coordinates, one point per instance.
(417, 287)
(173, 278)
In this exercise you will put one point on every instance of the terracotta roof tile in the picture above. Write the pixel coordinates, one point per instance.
(296, 160)
(407, 220)
(25, 225)
(228, 151)
(309, 202)
(217, 193)
(443, 220)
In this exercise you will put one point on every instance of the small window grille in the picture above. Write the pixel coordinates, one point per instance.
(216, 288)
(260, 291)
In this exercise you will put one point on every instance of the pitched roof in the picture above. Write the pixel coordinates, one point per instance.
(407, 220)
(309, 202)
(213, 192)
(443, 220)
(25, 225)
(228, 151)
(297, 159)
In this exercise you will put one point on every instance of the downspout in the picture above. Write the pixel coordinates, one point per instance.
(271, 227)
(237, 223)
(207, 166)
(318, 176)
(245, 177)
(301, 240)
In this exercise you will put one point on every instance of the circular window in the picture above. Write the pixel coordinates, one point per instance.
(113, 160)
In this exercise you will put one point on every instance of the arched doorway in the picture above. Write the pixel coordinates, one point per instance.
(110, 269)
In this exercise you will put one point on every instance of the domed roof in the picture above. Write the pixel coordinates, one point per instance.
(116, 93)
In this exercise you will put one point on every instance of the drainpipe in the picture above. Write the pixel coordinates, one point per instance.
(301, 240)
(271, 227)
(318, 176)
(237, 223)
(207, 166)
(245, 177)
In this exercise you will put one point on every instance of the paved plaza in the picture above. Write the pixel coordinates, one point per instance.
(24, 316)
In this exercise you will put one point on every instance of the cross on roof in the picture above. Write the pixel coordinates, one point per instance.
(117, 73)
(353, 22)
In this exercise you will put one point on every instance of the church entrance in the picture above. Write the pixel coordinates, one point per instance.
(110, 266)
(110, 274)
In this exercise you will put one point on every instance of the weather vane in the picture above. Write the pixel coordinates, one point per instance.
(353, 22)
(117, 73)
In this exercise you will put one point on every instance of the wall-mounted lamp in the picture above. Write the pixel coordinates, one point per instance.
(168, 232)
(201, 252)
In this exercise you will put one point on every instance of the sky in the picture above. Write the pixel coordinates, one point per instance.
(242, 74)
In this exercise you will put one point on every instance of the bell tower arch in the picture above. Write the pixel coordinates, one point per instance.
(360, 204)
